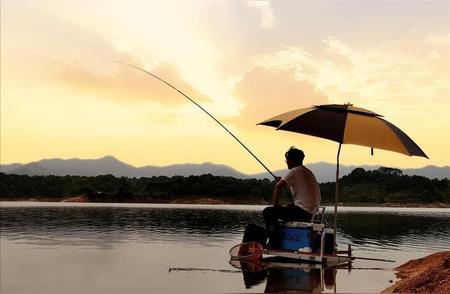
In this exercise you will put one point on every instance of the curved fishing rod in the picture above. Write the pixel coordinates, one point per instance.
(199, 106)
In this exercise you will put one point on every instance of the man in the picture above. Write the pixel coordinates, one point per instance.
(305, 193)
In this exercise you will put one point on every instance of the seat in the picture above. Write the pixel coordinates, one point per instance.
(318, 217)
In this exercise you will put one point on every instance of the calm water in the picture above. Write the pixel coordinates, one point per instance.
(126, 248)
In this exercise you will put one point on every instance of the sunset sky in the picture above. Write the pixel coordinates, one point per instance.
(63, 95)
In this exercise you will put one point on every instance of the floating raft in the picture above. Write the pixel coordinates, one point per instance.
(309, 257)
(253, 251)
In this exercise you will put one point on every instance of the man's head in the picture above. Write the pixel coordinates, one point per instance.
(294, 157)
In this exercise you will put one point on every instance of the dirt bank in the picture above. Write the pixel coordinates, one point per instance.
(199, 201)
(80, 198)
(424, 275)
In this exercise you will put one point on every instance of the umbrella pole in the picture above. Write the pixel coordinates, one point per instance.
(336, 193)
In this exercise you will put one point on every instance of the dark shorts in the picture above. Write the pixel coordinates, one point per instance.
(285, 213)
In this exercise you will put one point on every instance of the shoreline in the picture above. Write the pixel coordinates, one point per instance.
(218, 202)
(429, 274)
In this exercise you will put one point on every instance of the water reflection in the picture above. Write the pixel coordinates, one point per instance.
(282, 276)
(65, 248)
(105, 227)
(378, 231)
(97, 226)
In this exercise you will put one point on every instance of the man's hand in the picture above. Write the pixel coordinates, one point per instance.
(277, 179)
(277, 192)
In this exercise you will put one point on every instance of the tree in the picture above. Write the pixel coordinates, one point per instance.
(390, 171)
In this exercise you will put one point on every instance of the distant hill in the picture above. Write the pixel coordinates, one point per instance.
(111, 165)
(325, 172)
(429, 171)
(8, 168)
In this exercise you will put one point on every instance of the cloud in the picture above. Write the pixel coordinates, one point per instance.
(148, 31)
(266, 92)
(438, 39)
(126, 84)
(378, 78)
(265, 10)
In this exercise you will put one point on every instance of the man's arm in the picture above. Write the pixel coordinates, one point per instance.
(277, 192)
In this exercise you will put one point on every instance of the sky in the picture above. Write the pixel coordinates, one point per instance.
(64, 95)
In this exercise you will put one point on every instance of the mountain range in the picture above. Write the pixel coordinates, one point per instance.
(325, 172)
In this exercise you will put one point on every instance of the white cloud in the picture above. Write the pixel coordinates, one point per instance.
(150, 32)
(378, 78)
(266, 13)
(262, 91)
(438, 39)
(433, 54)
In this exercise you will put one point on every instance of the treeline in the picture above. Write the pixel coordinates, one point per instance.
(360, 186)
(108, 188)
(387, 185)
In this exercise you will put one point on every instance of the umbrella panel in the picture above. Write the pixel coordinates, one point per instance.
(346, 125)
(319, 123)
(372, 132)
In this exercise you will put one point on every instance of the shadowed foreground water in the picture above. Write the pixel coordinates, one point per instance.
(123, 248)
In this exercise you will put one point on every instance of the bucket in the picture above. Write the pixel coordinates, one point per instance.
(300, 236)
(295, 238)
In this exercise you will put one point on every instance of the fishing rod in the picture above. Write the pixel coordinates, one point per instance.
(193, 269)
(368, 258)
(204, 110)
(363, 258)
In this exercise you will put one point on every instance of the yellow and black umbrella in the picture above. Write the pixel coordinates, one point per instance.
(346, 124)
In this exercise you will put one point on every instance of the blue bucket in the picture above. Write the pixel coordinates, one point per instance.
(295, 238)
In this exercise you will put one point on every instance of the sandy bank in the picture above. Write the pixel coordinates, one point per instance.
(424, 275)
(209, 200)
(80, 198)
(199, 201)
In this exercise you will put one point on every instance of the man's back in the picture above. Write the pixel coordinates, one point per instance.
(304, 188)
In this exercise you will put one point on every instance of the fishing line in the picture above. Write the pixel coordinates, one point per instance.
(204, 110)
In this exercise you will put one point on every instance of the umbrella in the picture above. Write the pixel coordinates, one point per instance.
(346, 124)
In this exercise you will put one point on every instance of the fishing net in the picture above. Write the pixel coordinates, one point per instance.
(252, 266)
(249, 251)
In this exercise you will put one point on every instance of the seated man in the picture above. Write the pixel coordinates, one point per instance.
(305, 192)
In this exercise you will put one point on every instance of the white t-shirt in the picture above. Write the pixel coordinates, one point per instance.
(304, 188)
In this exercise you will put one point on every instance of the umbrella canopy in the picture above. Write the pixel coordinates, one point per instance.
(346, 124)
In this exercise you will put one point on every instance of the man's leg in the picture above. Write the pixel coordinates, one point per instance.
(296, 213)
(271, 216)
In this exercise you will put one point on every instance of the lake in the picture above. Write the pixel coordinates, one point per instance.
(151, 248)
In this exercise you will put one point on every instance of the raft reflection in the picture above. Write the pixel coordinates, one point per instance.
(283, 276)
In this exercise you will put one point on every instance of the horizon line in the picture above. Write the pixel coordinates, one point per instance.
(208, 162)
